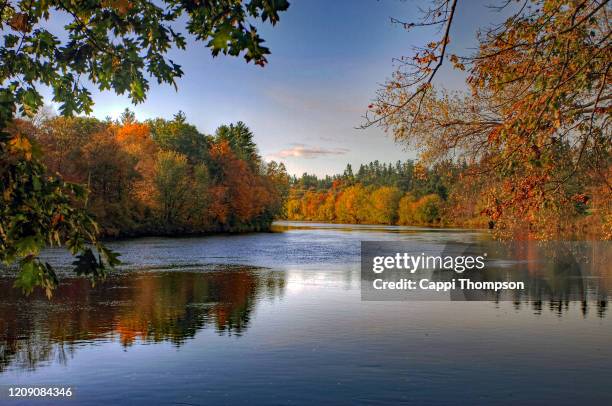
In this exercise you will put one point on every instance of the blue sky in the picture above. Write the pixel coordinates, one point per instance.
(328, 58)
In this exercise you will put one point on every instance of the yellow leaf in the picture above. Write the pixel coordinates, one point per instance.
(21, 144)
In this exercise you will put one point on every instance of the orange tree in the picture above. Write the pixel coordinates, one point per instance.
(112, 45)
(535, 121)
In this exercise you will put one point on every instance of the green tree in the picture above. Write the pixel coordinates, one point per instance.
(127, 117)
(112, 45)
(180, 136)
(240, 139)
(199, 197)
(278, 176)
(171, 186)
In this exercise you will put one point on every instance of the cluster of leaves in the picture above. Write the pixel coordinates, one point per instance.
(39, 210)
(535, 126)
(115, 45)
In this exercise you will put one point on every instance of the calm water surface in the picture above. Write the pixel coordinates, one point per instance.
(277, 318)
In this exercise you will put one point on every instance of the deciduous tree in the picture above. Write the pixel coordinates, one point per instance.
(539, 96)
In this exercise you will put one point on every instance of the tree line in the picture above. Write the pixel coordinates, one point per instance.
(406, 193)
(161, 176)
(445, 193)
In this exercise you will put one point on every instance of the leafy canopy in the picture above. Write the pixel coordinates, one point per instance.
(116, 45)
(536, 119)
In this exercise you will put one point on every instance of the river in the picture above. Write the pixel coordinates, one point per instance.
(277, 318)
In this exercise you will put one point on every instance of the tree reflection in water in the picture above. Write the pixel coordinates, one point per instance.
(555, 273)
(172, 306)
(147, 306)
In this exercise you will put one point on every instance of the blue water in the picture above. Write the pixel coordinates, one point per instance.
(277, 318)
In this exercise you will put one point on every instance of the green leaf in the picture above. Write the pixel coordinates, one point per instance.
(110, 257)
(30, 245)
(34, 274)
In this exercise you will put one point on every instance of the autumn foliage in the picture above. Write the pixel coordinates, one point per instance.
(533, 122)
(240, 196)
(162, 176)
(406, 193)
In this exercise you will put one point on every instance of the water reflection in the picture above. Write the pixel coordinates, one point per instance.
(550, 274)
(187, 328)
(555, 274)
(175, 300)
(142, 307)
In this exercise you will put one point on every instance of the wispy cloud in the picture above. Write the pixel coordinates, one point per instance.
(308, 152)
